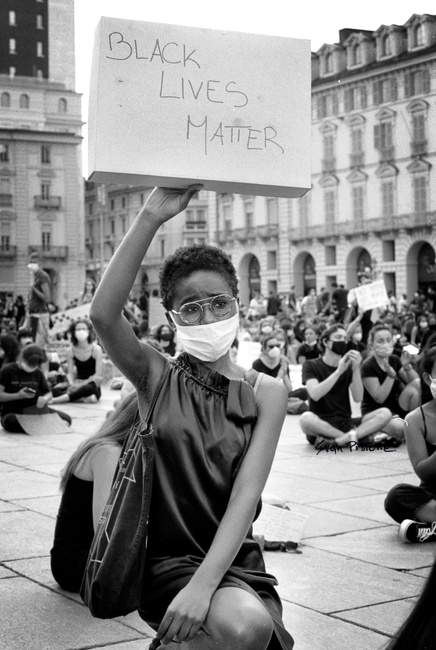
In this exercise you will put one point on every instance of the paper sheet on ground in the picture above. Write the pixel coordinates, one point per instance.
(280, 525)
(42, 425)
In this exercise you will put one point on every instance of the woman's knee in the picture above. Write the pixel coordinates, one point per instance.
(240, 622)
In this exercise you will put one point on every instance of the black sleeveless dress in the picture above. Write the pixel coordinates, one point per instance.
(202, 423)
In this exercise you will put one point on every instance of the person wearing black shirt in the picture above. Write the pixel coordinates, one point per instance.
(328, 380)
(389, 381)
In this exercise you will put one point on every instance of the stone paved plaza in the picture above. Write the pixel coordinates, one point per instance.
(350, 587)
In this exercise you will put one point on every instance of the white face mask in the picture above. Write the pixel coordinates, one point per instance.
(32, 266)
(210, 341)
(81, 335)
(274, 353)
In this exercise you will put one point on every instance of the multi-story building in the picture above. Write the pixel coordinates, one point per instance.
(109, 213)
(373, 198)
(41, 185)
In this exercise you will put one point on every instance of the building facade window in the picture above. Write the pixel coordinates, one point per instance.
(39, 22)
(112, 226)
(4, 153)
(12, 46)
(304, 210)
(327, 105)
(24, 101)
(383, 136)
(46, 237)
(162, 247)
(388, 198)
(123, 202)
(40, 49)
(12, 71)
(12, 19)
(355, 98)
(328, 63)
(358, 202)
(271, 260)
(417, 82)
(419, 127)
(62, 105)
(418, 36)
(420, 194)
(5, 237)
(112, 204)
(330, 205)
(386, 49)
(5, 100)
(356, 54)
(45, 154)
(45, 190)
(227, 218)
(249, 214)
(385, 90)
(272, 210)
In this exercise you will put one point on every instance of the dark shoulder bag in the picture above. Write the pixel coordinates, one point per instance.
(112, 582)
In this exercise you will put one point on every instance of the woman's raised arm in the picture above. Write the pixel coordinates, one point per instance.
(114, 331)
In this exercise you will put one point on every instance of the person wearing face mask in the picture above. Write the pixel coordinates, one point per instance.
(165, 337)
(38, 318)
(328, 381)
(309, 349)
(272, 361)
(24, 389)
(389, 382)
(216, 427)
(85, 365)
(420, 331)
(412, 506)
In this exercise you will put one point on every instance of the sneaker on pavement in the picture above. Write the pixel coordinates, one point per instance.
(415, 531)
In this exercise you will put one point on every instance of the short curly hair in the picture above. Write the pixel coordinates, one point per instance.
(187, 260)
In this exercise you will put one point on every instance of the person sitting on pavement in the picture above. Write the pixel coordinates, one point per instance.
(9, 349)
(309, 349)
(388, 381)
(272, 361)
(85, 365)
(328, 380)
(24, 389)
(414, 507)
(85, 484)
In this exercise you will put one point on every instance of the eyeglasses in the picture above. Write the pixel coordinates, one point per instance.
(192, 312)
(270, 346)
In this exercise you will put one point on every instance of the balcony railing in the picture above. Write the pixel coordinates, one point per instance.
(51, 252)
(8, 252)
(49, 203)
(223, 236)
(242, 234)
(347, 228)
(419, 148)
(195, 225)
(329, 164)
(357, 159)
(267, 231)
(387, 154)
(5, 200)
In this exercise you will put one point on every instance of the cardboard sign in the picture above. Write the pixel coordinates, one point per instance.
(279, 524)
(42, 425)
(372, 295)
(63, 319)
(172, 106)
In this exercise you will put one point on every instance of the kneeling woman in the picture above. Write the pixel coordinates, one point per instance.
(85, 366)
(388, 381)
(216, 430)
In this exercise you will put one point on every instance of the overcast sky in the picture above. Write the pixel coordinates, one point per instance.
(318, 20)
